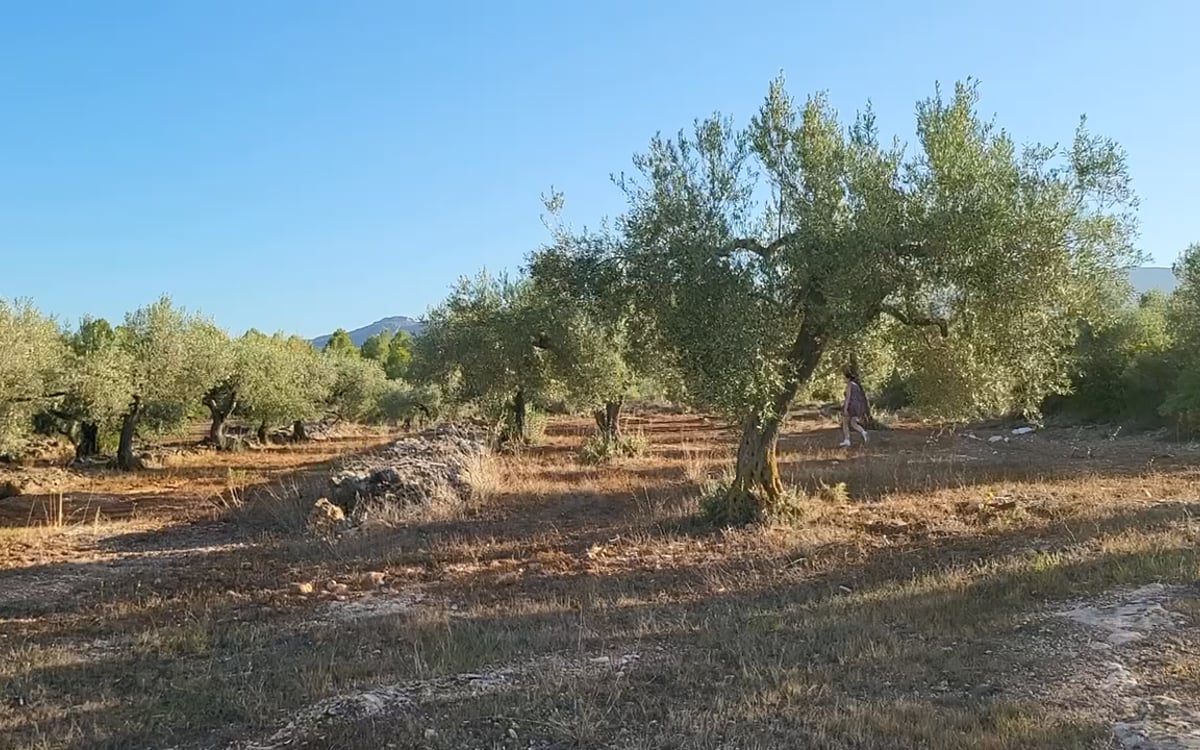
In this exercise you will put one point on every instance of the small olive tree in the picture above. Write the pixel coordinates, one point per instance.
(757, 250)
(31, 365)
(97, 386)
(282, 380)
(175, 358)
(594, 324)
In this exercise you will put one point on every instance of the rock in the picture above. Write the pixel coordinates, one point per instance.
(303, 587)
(413, 472)
(1022, 431)
(11, 488)
(996, 439)
(325, 519)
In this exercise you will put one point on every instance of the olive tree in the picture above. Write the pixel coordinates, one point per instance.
(356, 385)
(474, 346)
(595, 326)
(757, 250)
(97, 385)
(1183, 317)
(30, 368)
(282, 380)
(175, 358)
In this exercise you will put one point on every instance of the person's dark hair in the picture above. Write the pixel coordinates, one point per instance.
(849, 373)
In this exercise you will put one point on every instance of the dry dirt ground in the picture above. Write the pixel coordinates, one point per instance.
(938, 589)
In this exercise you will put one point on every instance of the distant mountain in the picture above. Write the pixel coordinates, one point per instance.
(1146, 278)
(359, 335)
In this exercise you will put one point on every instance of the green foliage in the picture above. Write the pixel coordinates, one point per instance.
(280, 378)
(31, 365)
(1183, 316)
(722, 507)
(494, 338)
(98, 377)
(602, 448)
(174, 358)
(340, 343)
(399, 355)
(402, 401)
(376, 346)
(1124, 368)
(357, 385)
(1004, 248)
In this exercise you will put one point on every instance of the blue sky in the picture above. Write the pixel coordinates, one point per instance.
(305, 165)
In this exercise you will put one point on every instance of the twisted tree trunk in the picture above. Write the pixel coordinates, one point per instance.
(756, 472)
(299, 434)
(125, 458)
(221, 401)
(608, 420)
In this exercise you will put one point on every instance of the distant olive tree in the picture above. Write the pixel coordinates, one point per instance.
(97, 386)
(283, 380)
(31, 365)
(604, 347)
(175, 358)
(356, 385)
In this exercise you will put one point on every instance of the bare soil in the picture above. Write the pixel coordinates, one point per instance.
(939, 589)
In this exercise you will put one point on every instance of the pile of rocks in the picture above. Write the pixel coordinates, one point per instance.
(420, 471)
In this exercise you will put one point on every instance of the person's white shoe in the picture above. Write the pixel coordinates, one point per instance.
(865, 440)
(844, 444)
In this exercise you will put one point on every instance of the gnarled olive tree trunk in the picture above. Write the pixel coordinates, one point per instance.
(89, 440)
(608, 420)
(129, 423)
(299, 434)
(220, 405)
(756, 472)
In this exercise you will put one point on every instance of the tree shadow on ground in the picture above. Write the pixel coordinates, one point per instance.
(851, 656)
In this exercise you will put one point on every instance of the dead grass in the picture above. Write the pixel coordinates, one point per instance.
(903, 606)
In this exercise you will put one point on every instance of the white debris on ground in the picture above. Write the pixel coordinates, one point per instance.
(414, 472)
(383, 604)
(384, 700)
(1123, 622)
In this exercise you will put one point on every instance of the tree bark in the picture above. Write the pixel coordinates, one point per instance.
(608, 420)
(221, 402)
(89, 440)
(519, 410)
(262, 433)
(299, 434)
(756, 472)
(125, 458)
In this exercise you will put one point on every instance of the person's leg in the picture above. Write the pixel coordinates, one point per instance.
(845, 429)
(858, 426)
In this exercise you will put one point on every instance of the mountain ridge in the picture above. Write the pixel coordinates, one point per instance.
(359, 335)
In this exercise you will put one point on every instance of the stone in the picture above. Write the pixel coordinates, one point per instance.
(325, 519)
(414, 472)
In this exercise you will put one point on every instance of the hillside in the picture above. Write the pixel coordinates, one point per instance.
(394, 323)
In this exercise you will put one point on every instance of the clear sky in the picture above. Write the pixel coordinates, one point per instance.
(306, 165)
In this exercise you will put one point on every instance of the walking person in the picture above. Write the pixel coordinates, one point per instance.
(854, 408)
